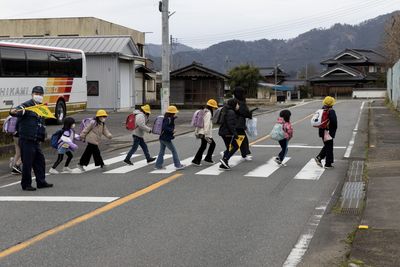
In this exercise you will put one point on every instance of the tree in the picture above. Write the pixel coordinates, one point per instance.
(391, 41)
(246, 76)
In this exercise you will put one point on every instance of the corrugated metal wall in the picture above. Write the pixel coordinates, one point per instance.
(103, 69)
(393, 84)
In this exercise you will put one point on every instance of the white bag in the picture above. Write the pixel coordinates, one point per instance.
(251, 127)
(316, 119)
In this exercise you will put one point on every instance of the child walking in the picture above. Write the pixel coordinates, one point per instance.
(141, 120)
(92, 134)
(284, 119)
(66, 145)
(205, 134)
(166, 137)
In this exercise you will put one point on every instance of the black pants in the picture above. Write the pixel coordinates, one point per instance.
(32, 158)
(61, 157)
(244, 147)
(90, 150)
(230, 150)
(203, 146)
(284, 145)
(327, 152)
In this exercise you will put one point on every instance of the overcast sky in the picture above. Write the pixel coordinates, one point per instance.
(201, 23)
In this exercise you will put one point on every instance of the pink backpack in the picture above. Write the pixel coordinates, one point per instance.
(198, 118)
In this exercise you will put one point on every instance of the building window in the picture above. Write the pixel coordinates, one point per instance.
(93, 88)
(372, 69)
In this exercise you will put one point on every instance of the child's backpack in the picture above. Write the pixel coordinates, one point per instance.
(320, 118)
(277, 132)
(10, 125)
(130, 123)
(198, 118)
(85, 123)
(55, 138)
(218, 117)
(157, 126)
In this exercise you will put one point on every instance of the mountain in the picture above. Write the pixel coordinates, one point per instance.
(154, 50)
(308, 48)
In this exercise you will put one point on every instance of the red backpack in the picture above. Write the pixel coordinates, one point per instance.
(325, 119)
(130, 123)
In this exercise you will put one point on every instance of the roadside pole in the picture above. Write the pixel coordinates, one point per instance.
(166, 50)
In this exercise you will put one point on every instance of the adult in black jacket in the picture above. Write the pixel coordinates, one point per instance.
(331, 127)
(243, 114)
(32, 131)
(228, 131)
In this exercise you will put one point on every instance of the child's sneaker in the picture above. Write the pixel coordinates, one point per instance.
(318, 161)
(150, 160)
(195, 163)
(53, 171)
(278, 161)
(80, 167)
(248, 158)
(181, 167)
(127, 161)
(328, 167)
(225, 164)
(67, 169)
(209, 161)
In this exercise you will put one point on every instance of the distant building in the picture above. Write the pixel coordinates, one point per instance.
(194, 84)
(350, 70)
(269, 74)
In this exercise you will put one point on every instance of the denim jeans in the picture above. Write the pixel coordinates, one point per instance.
(160, 158)
(284, 145)
(138, 141)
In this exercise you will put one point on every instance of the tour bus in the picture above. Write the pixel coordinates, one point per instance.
(60, 71)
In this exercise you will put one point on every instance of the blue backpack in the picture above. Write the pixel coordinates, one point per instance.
(55, 138)
(277, 132)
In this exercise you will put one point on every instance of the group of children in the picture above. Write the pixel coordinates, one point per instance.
(229, 117)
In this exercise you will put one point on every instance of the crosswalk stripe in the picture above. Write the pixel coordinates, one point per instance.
(311, 171)
(57, 199)
(171, 168)
(215, 170)
(110, 161)
(267, 169)
(135, 166)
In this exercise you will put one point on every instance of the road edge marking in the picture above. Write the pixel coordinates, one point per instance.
(85, 217)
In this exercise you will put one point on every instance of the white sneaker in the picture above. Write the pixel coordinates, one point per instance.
(66, 169)
(80, 167)
(180, 167)
(53, 171)
(248, 158)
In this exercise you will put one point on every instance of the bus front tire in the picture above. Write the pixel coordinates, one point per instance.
(60, 112)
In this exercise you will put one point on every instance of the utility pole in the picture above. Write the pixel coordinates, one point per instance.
(166, 50)
(276, 80)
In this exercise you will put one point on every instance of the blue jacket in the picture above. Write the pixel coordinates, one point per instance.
(30, 125)
(168, 128)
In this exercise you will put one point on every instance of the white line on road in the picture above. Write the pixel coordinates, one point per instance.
(267, 169)
(58, 199)
(171, 168)
(135, 166)
(110, 161)
(353, 137)
(215, 170)
(297, 253)
(311, 171)
(296, 146)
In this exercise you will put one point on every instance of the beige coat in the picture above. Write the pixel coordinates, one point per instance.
(93, 133)
(208, 125)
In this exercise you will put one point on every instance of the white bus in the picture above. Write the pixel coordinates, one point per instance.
(60, 71)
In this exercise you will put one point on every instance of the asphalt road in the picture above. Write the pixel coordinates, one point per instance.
(253, 215)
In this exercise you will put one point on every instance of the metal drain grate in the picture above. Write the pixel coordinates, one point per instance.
(350, 211)
(352, 195)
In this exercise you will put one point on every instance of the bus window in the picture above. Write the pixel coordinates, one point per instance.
(13, 62)
(59, 65)
(76, 65)
(38, 63)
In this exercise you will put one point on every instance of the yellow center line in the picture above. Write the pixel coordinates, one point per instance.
(87, 216)
(269, 136)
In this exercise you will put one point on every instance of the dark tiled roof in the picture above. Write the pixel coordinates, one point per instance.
(198, 66)
(360, 56)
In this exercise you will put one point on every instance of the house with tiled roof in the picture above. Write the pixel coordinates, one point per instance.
(349, 71)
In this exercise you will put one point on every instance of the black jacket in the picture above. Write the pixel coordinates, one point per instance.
(229, 122)
(243, 114)
(168, 128)
(30, 125)
(332, 125)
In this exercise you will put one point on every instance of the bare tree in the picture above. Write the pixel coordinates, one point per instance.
(391, 42)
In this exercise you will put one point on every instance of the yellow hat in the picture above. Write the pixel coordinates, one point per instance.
(172, 109)
(329, 101)
(146, 108)
(101, 113)
(212, 103)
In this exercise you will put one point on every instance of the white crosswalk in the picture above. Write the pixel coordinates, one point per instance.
(267, 169)
(215, 170)
(171, 168)
(135, 166)
(311, 171)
